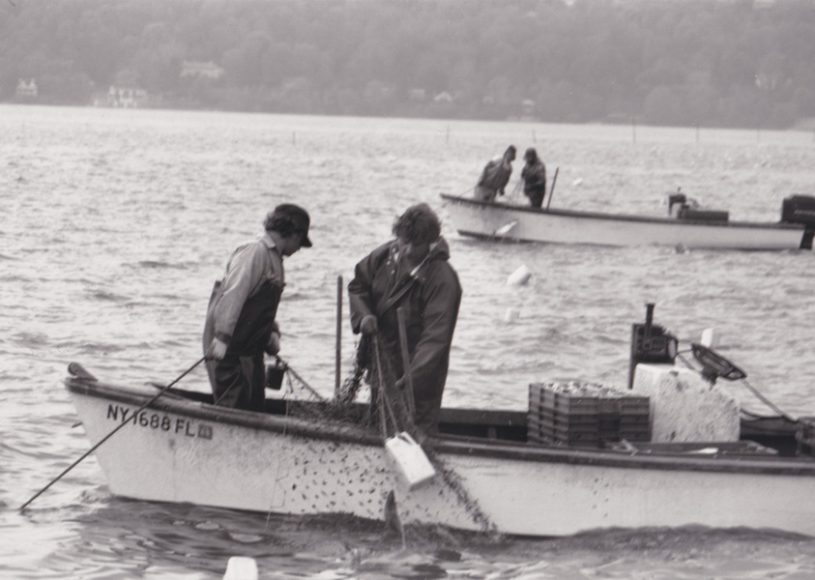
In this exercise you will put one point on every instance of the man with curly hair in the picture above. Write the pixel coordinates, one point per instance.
(411, 272)
(240, 323)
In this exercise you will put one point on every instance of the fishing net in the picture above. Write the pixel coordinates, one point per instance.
(372, 365)
(386, 414)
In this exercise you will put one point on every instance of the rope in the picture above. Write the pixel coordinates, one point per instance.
(767, 402)
(112, 433)
(753, 390)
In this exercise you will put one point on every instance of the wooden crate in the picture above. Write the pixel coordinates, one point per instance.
(585, 414)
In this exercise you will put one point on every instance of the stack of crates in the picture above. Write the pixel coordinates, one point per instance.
(805, 436)
(585, 414)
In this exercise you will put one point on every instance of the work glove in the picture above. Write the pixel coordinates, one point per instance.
(273, 346)
(368, 325)
(216, 350)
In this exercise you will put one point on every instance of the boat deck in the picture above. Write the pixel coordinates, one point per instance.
(760, 436)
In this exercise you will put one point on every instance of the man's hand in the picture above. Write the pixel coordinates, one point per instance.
(216, 350)
(273, 346)
(368, 325)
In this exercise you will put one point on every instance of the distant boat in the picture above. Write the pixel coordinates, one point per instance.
(688, 227)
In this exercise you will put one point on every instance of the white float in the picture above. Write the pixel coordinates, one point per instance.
(685, 407)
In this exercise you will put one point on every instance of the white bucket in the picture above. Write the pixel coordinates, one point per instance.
(410, 458)
(241, 568)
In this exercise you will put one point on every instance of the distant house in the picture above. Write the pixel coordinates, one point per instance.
(126, 97)
(26, 89)
(443, 97)
(193, 69)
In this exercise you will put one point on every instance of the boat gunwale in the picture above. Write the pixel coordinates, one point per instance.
(448, 445)
(620, 217)
(510, 239)
(195, 409)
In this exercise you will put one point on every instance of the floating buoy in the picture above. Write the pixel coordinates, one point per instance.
(708, 338)
(519, 277)
(511, 315)
(241, 568)
(577, 182)
(505, 229)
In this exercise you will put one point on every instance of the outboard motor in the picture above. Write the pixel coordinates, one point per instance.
(650, 343)
(800, 209)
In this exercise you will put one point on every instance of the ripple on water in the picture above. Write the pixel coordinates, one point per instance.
(134, 305)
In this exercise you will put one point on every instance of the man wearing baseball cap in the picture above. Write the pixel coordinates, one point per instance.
(240, 323)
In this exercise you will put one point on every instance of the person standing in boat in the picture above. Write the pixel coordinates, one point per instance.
(412, 272)
(534, 177)
(495, 176)
(240, 323)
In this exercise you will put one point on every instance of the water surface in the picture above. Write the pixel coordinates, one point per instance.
(114, 224)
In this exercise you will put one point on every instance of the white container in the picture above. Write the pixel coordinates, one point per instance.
(685, 407)
(519, 277)
(241, 568)
(410, 459)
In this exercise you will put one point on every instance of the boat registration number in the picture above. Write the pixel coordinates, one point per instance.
(159, 421)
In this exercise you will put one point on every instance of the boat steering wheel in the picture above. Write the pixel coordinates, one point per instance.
(715, 365)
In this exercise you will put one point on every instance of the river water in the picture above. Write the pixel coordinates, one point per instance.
(114, 224)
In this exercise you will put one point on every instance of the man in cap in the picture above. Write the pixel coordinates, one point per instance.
(534, 177)
(240, 323)
(411, 272)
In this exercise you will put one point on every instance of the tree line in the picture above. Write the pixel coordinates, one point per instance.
(738, 63)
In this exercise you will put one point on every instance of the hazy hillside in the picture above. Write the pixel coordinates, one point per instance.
(686, 62)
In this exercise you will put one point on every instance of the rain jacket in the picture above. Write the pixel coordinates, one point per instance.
(431, 309)
(534, 177)
(494, 178)
(241, 313)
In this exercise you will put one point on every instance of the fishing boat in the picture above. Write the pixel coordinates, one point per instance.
(685, 226)
(494, 471)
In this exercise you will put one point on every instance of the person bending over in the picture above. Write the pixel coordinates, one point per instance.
(240, 322)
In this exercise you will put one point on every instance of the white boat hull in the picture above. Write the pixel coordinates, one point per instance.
(183, 451)
(525, 224)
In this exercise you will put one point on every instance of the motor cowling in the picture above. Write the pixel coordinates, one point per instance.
(650, 343)
(799, 209)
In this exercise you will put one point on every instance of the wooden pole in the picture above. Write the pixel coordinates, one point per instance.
(338, 352)
(403, 344)
(552, 191)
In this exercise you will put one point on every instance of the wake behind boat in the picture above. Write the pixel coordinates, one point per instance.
(687, 227)
(564, 466)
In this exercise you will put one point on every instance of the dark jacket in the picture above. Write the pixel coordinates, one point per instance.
(495, 175)
(534, 176)
(431, 310)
